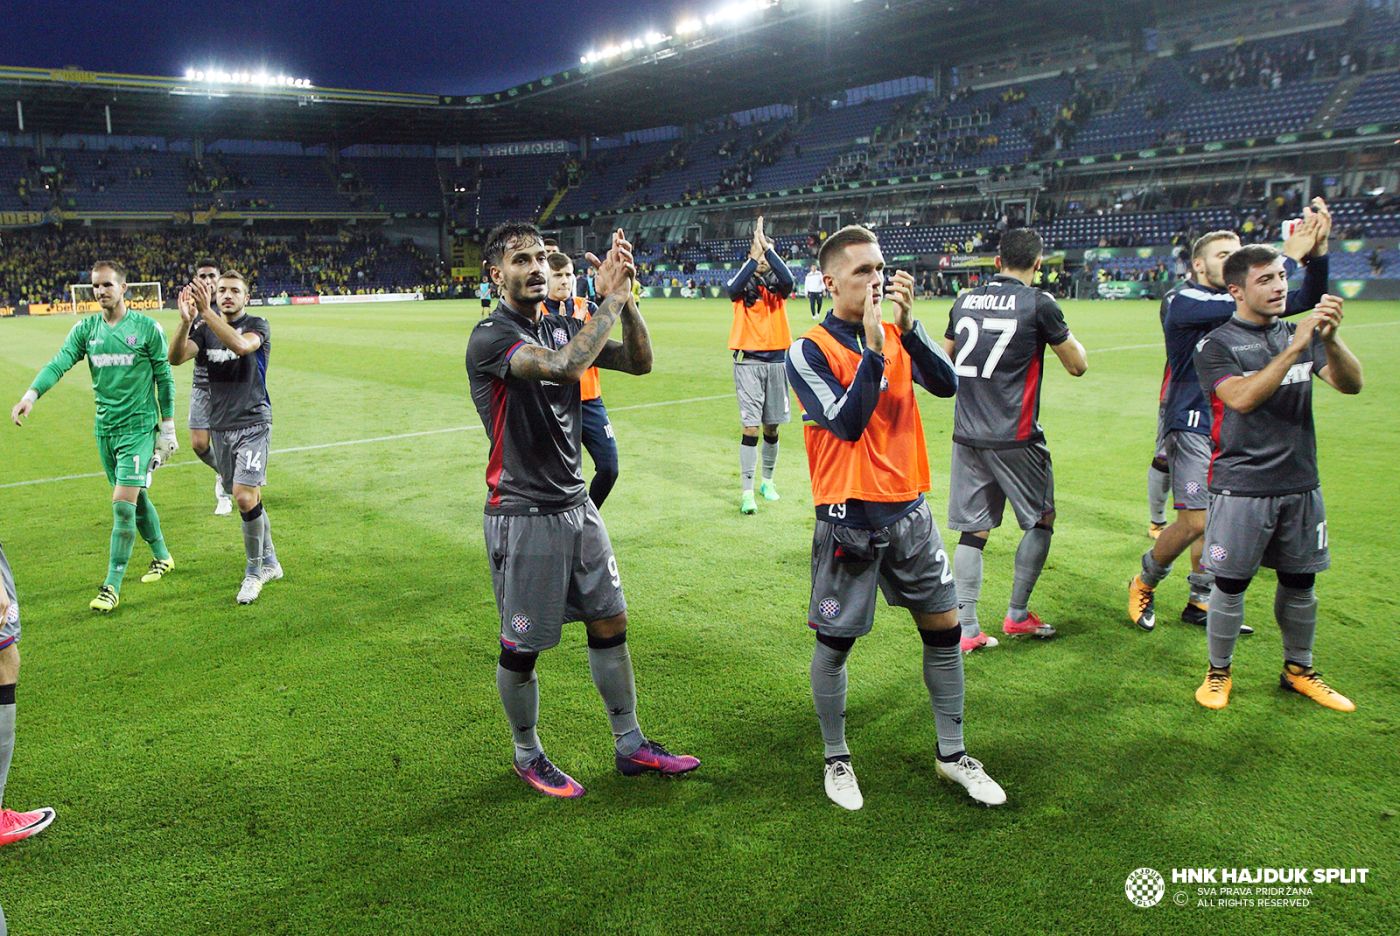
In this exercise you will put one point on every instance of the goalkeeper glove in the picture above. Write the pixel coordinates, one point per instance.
(166, 445)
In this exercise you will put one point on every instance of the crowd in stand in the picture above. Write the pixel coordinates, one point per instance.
(38, 265)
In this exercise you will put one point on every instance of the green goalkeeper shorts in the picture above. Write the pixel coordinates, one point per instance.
(127, 458)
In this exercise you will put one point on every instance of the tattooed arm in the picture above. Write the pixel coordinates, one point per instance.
(631, 355)
(531, 362)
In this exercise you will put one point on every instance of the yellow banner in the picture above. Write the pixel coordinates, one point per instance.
(21, 218)
(75, 75)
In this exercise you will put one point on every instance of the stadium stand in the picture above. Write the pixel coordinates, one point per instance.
(1065, 103)
(39, 265)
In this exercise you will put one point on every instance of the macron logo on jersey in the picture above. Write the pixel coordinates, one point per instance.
(990, 303)
(112, 360)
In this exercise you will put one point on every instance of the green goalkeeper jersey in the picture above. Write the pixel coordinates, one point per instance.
(131, 377)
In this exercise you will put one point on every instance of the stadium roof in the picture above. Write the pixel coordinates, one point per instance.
(785, 53)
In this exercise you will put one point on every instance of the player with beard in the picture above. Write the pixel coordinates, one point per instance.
(550, 557)
(135, 419)
(236, 348)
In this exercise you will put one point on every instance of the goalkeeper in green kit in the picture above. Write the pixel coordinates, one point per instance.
(135, 425)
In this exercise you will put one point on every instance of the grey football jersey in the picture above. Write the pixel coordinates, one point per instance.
(237, 385)
(999, 332)
(1273, 450)
(535, 463)
(201, 372)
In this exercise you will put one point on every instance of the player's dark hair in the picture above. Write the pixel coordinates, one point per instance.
(848, 235)
(114, 265)
(499, 239)
(206, 262)
(1198, 247)
(1020, 248)
(234, 274)
(558, 260)
(551, 242)
(1239, 263)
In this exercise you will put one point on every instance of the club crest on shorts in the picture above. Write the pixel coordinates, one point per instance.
(1193, 487)
(1217, 552)
(520, 623)
(830, 608)
(131, 341)
(561, 337)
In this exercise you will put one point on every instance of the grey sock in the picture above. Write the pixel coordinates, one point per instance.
(1200, 583)
(828, 674)
(269, 551)
(253, 543)
(1296, 612)
(207, 456)
(967, 577)
(7, 744)
(1030, 559)
(1153, 571)
(1159, 488)
(748, 462)
(1223, 622)
(770, 459)
(611, 668)
(943, 675)
(520, 697)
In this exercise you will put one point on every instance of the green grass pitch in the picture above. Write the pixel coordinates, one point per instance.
(333, 759)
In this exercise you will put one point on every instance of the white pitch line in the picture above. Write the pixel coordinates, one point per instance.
(619, 409)
(371, 440)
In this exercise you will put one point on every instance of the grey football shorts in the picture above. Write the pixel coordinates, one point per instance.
(549, 570)
(9, 627)
(762, 387)
(199, 408)
(1287, 533)
(9, 624)
(1188, 460)
(1161, 450)
(982, 480)
(906, 560)
(241, 454)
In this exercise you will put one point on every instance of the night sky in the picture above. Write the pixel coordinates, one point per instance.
(430, 46)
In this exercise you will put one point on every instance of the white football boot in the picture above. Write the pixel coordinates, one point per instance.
(968, 773)
(251, 588)
(841, 786)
